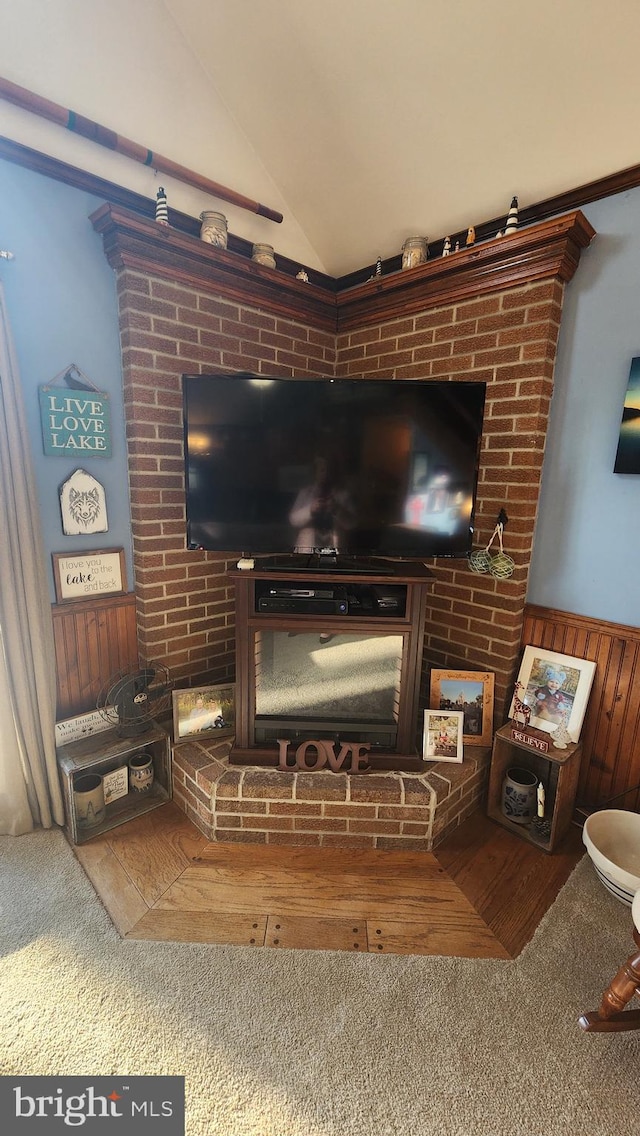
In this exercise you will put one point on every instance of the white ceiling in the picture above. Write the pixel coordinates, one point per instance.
(379, 119)
(362, 121)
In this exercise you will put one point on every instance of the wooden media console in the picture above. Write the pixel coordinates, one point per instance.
(331, 656)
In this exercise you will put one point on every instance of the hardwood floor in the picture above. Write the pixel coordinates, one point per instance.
(479, 895)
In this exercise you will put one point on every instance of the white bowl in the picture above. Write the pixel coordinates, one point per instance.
(612, 839)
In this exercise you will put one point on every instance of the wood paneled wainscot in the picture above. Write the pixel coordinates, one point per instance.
(93, 639)
(611, 731)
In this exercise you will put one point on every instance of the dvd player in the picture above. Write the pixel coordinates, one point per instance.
(304, 600)
(302, 593)
(303, 605)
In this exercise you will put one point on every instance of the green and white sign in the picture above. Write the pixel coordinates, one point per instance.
(77, 422)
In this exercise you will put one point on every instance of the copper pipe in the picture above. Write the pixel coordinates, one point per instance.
(77, 123)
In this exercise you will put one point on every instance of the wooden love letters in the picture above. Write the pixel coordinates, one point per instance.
(313, 755)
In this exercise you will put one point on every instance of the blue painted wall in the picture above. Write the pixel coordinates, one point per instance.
(587, 546)
(61, 298)
(62, 305)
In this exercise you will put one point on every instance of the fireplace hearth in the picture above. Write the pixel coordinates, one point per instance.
(380, 809)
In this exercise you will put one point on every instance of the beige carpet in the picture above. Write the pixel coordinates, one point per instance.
(300, 1043)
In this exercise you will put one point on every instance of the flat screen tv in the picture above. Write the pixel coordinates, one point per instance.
(331, 469)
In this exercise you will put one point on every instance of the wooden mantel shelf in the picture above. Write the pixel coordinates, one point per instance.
(132, 241)
(550, 249)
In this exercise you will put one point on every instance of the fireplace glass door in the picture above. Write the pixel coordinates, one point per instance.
(320, 685)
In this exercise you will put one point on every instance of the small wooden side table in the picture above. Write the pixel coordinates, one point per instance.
(557, 769)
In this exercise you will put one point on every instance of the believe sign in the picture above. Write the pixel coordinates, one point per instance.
(75, 423)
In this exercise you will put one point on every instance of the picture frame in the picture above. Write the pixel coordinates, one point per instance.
(472, 692)
(85, 575)
(558, 700)
(442, 735)
(203, 711)
(115, 784)
(628, 452)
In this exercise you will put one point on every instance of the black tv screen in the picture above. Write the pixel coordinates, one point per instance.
(354, 467)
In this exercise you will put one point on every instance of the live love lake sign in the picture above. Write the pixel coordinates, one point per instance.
(75, 422)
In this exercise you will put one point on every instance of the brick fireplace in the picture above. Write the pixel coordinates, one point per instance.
(490, 313)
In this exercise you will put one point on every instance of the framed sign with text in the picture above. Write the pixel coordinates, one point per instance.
(81, 726)
(81, 575)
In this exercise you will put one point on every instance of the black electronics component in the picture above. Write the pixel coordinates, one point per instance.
(304, 605)
(302, 593)
(389, 598)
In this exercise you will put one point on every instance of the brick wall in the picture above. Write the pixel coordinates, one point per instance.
(185, 604)
(508, 339)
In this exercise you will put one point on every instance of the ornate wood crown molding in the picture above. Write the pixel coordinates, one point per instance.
(550, 249)
(134, 242)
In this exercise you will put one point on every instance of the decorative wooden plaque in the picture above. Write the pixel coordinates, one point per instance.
(521, 736)
(75, 423)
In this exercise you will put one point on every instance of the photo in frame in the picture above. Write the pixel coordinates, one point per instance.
(556, 689)
(472, 692)
(442, 737)
(204, 710)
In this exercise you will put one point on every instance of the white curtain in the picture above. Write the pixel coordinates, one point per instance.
(29, 787)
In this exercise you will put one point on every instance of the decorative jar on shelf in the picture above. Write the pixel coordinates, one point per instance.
(141, 772)
(414, 252)
(88, 794)
(213, 229)
(264, 254)
(519, 798)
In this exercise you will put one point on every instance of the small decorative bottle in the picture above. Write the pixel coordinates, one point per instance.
(414, 252)
(214, 228)
(264, 254)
